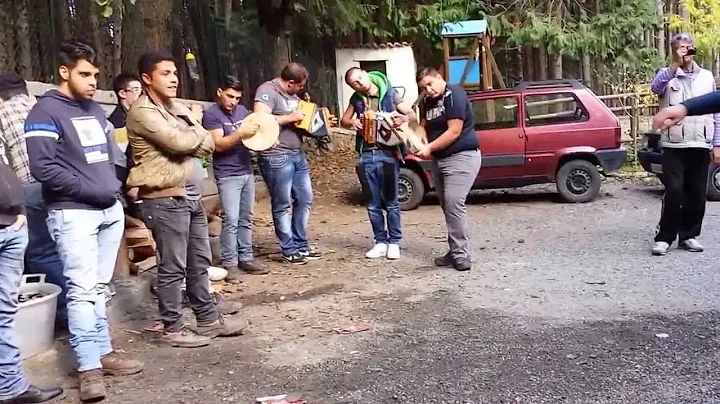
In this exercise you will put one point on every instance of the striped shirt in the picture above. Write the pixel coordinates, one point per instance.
(659, 85)
(12, 129)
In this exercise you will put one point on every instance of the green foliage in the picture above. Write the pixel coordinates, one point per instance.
(106, 6)
(703, 24)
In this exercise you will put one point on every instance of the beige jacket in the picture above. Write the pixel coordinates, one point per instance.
(164, 140)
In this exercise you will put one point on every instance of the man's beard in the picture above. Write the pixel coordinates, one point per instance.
(76, 93)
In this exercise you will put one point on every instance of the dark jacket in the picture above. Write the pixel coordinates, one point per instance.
(704, 104)
(70, 154)
(11, 195)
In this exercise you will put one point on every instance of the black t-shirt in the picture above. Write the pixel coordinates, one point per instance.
(454, 104)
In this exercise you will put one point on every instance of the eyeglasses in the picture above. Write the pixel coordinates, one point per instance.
(134, 90)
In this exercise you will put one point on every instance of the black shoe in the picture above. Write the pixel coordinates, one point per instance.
(311, 254)
(444, 261)
(463, 265)
(297, 259)
(250, 267)
(34, 395)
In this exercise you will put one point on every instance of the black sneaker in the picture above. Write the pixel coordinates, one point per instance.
(311, 254)
(297, 259)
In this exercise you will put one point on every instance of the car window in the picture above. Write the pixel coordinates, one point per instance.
(549, 109)
(496, 113)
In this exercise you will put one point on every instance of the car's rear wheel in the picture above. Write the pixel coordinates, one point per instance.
(713, 183)
(578, 181)
(411, 189)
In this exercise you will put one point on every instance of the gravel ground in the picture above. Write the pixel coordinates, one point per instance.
(564, 305)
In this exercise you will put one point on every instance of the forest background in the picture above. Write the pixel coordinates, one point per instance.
(614, 46)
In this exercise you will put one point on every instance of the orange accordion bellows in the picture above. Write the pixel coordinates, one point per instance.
(370, 127)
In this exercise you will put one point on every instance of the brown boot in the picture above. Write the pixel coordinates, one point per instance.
(185, 338)
(234, 275)
(92, 388)
(250, 267)
(114, 365)
(223, 327)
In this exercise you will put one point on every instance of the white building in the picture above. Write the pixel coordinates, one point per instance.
(395, 59)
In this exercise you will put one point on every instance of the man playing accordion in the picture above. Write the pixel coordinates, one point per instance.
(375, 100)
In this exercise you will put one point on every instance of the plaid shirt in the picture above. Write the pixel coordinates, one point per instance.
(12, 129)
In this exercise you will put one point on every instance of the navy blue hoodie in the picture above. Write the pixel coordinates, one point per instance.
(69, 152)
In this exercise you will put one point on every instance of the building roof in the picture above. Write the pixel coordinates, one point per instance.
(382, 45)
(464, 28)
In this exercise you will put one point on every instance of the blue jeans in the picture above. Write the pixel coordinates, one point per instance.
(379, 172)
(237, 195)
(41, 256)
(88, 243)
(287, 177)
(12, 247)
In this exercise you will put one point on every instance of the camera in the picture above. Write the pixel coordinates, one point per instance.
(691, 51)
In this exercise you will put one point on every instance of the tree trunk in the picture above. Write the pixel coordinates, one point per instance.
(228, 13)
(156, 20)
(282, 51)
(542, 61)
(22, 30)
(660, 34)
(7, 41)
(586, 70)
(557, 66)
(117, 17)
(529, 59)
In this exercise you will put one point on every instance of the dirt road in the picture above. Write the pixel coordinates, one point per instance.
(564, 304)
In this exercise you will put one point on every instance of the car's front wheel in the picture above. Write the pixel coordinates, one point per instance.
(578, 181)
(411, 189)
(713, 183)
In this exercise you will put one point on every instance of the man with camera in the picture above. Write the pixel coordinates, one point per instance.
(686, 149)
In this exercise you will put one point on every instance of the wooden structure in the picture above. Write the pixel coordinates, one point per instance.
(474, 69)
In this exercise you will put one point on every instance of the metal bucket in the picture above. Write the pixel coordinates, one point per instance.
(35, 319)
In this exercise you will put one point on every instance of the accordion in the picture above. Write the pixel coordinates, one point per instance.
(378, 129)
(316, 120)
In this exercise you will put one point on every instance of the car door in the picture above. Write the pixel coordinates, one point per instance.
(554, 121)
(502, 139)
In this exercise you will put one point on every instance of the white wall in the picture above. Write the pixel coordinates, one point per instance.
(400, 67)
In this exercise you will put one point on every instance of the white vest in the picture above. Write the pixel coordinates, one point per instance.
(693, 131)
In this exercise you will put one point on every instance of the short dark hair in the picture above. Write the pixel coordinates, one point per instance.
(71, 52)
(231, 82)
(294, 72)
(426, 71)
(149, 60)
(122, 81)
(349, 73)
(11, 84)
(9, 93)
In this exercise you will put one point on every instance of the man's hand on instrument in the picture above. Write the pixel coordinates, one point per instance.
(248, 131)
(296, 116)
(424, 152)
(669, 116)
(399, 119)
(357, 124)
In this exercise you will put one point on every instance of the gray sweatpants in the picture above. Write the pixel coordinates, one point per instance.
(454, 177)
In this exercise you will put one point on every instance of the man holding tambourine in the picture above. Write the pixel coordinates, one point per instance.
(375, 111)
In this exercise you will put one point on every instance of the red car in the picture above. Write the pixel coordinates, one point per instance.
(535, 133)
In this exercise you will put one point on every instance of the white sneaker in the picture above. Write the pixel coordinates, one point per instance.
(660, 248)
(393, 252)
(380, 250)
